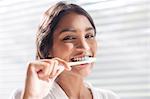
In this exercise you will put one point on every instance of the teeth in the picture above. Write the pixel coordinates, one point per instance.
(80, 59)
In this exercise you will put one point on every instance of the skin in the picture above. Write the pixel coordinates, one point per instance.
(73, 37)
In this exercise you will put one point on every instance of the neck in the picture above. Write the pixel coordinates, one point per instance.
(74, 87)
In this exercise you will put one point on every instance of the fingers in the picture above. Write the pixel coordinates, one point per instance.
(61, 62)
(55, 68)
(48, 68)
(60, 69)
(64, 63)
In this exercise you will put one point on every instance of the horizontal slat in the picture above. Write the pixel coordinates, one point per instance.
(115, 4)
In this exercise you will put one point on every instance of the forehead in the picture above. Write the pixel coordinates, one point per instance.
(74, 20)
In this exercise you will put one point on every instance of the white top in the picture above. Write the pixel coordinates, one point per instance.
(57, 93)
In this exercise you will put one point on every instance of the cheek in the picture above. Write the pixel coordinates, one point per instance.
(66, 51)
(63, 50)
(68, 47)
(93, 45)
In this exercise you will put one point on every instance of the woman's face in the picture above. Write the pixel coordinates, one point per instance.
(74, 39)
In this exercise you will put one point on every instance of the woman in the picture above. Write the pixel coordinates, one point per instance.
(66, 34)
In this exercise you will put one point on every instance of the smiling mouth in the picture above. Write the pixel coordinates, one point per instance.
(77, 59)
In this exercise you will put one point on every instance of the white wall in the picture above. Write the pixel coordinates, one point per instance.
(123, 34)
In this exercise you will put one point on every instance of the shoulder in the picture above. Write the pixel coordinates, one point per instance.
(101, 93)
(16, 94)
(104, 94)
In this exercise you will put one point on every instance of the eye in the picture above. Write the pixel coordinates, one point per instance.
(90, 36)
(68, 38)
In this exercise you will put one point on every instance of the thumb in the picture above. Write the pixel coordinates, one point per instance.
(63, 63)
(60, 69)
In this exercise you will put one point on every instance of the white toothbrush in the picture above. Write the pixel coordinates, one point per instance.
(87, 60)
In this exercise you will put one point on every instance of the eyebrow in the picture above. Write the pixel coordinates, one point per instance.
(89, 29)
(67, 30)
(73, 30)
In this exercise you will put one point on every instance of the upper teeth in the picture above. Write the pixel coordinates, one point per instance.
(80, 59)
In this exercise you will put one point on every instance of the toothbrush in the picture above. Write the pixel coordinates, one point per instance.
(87, 60)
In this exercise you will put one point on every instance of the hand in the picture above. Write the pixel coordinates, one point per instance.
(41, 75)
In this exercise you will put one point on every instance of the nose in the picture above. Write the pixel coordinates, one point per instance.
(83, 44)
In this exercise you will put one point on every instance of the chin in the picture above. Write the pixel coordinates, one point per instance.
(83, 71)
(85, 74)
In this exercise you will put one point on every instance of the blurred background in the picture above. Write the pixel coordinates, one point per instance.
(123, 34)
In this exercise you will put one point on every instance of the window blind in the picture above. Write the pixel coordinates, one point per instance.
(123, 35)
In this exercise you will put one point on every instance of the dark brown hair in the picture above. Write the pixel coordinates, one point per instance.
(44, 37)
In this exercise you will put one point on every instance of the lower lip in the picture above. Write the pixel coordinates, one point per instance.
(83, 65)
